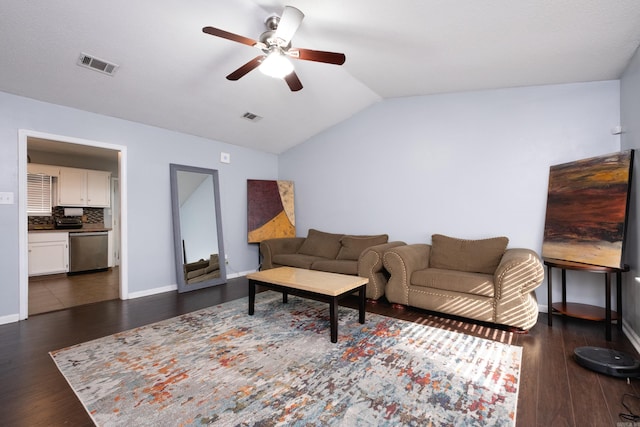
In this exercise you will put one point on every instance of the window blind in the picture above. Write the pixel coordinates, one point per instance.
(38, 194)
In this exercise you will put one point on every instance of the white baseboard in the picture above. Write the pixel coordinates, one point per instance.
(154, 291)
(9, 319)
(172, 288)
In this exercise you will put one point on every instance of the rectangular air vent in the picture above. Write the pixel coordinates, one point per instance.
(96, 64)
(251, 117)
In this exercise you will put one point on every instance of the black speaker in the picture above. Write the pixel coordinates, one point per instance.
(607, 361)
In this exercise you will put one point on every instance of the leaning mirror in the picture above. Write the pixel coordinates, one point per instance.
(197, 228)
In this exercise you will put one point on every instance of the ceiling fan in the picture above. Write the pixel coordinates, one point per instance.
(275, 44)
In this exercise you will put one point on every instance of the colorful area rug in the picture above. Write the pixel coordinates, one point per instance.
(220, 366)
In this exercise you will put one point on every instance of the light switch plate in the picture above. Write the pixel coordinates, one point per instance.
(6, 198)
(225, 157)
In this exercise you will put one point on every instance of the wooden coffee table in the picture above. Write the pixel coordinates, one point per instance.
(312, 284)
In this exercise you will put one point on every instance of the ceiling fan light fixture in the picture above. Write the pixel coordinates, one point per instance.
(275, 49)
(276, 65)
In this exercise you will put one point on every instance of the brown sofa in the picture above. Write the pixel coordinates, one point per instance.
(476, 279)
(335, 253)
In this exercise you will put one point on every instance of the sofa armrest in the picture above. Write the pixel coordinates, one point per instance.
(519, 273)
(283, 245)
(370, 265)
(519, 268)
(401, 262)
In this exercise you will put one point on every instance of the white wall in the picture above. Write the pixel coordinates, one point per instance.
(150, 150)
(630, 113)
(469, 165)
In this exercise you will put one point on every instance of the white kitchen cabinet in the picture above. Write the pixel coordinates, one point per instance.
(48, 253)
(83, 187)
(98, 189)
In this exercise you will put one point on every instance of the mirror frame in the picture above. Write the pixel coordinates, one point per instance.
(177, 234)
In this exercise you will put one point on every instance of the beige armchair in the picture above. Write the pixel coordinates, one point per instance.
(476, 279)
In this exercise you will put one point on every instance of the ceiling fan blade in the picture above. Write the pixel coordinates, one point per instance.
(240, 72)
(229, 36)
(317, 55)
(289, 22)
(293, 81)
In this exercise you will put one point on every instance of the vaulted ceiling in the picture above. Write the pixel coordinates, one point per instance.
(172, 75)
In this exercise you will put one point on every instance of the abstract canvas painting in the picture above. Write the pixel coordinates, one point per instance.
(587, 209)
(270, 210)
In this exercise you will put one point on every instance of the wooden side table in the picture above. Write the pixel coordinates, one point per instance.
(584, 311)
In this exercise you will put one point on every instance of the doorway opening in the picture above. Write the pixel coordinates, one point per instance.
(39, 291)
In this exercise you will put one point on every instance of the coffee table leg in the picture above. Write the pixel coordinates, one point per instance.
(333, 315)
(285, 297)
(362, 302)
(252, 296)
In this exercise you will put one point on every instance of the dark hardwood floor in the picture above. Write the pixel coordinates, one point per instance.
(554, 390)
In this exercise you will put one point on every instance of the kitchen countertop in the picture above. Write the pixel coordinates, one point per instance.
(86, 228)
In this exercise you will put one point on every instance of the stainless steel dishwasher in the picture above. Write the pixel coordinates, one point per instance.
(88, 251)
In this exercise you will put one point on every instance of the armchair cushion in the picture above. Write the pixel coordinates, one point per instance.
(321, 244)
(474, 256)
(455, 281)
(353, 246)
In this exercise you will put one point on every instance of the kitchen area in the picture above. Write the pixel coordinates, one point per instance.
(73, 223)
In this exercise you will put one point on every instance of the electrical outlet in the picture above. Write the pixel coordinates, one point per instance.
(6, 198)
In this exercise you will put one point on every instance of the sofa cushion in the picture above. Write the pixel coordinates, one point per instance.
(319, 243)
(352, 246)
(455, 281)
(341, 266)
(295, 260)
(476, 256)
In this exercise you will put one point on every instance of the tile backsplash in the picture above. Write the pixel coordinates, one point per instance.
(90, 216)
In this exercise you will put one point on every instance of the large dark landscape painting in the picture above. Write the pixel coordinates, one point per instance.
(587, 208)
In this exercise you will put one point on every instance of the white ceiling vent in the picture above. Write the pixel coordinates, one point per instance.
(251, 117)
(96, 64)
